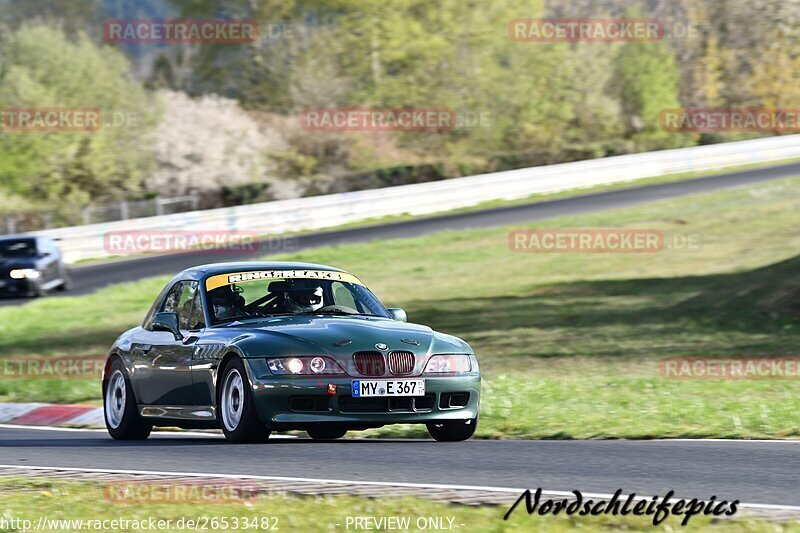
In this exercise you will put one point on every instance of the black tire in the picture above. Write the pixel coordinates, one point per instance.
(453, 430)
(326, 433)
(37, 291)
(236, 410)
(122, 416)
(66, 282)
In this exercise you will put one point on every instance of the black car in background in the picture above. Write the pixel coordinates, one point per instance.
(31, 266)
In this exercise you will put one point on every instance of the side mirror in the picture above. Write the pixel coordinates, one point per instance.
(167, 322)
(398, 314)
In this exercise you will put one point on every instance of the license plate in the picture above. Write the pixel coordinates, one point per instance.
(2, 284)
(363, 388)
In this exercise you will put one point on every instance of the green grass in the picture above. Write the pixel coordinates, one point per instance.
(31, 499)
(569, 343)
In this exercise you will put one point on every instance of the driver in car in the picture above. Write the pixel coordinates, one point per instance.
(302, 296)
(227, 302)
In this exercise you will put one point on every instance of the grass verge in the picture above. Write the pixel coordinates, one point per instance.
(62, 505)
(570, 344)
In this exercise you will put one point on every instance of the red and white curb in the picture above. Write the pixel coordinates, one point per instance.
(44, 414)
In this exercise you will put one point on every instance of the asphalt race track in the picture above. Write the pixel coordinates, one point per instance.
(92, 277)
(750, 471)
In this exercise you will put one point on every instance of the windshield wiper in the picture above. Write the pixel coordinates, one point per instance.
(343, 313)
(326, 312)
(231, 322)
(238, 321)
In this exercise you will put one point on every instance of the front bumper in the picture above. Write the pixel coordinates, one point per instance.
(295, 402)
(17, 287)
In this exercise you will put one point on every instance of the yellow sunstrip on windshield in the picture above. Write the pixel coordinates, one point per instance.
(242, 277)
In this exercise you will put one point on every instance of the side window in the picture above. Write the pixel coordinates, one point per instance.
(179, 300)
(158, 303)
(196, 318)
(170, 304)
(343, 296)
(46, 246)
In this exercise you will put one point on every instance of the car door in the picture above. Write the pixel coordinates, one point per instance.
(204, 358)
(163, 363)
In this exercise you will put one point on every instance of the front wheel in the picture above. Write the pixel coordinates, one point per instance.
(37, 291)
(119, 406)
(66, 282)
(453, 430)
(237, 410)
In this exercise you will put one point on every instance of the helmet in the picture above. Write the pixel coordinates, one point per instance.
(303, 297)
(224, 301)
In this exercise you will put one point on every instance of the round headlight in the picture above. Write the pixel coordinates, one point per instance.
(295, 366)
(317, 365)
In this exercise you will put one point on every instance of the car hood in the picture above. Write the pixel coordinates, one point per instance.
(309, 335)
(17, 262)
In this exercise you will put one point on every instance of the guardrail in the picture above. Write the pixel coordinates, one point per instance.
(318, 212)
(122, 210)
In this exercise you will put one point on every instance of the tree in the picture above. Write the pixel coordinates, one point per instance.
(74, 16)
(205, 144)
(647, 84)
(774, 82)
(42, 68)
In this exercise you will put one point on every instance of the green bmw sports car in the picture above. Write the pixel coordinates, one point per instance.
(258, 347)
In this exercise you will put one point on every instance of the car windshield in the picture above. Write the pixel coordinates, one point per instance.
(295, 296)
(17, 248)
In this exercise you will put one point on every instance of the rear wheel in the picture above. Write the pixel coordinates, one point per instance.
(326, 433)
(237, 411)
(119, 406)
(453, 430)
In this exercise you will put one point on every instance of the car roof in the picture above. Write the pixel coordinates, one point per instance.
(201, 271)
(19, 237)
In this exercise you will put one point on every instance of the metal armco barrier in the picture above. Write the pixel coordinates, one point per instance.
(272, 218)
